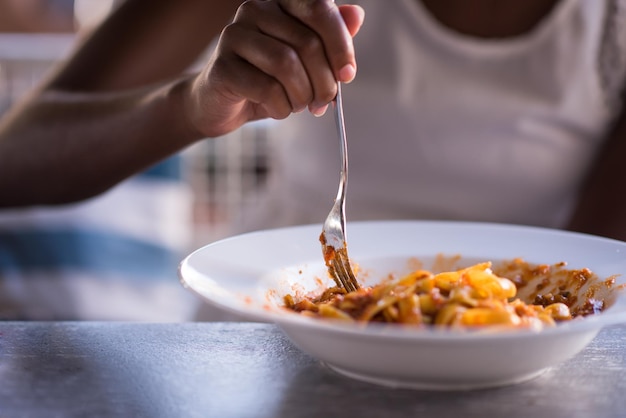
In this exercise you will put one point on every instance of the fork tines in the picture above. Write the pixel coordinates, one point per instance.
(342, 271)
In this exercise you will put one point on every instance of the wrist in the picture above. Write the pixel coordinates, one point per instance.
(181, 109)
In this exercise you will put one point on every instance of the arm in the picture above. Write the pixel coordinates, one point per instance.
(113, 109)
(601, 208)
(121, 104)
(33, 16)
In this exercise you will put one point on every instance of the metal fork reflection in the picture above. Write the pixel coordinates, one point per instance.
(333, 237)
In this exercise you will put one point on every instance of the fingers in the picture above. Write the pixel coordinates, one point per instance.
(251, 50)
(265, 97)
(301, 47)
(353, 16)
(325, 18)
(285, 49)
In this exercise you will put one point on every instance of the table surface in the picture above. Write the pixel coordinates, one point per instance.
(113, 369)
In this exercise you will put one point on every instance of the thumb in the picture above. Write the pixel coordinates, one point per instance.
(353, 16)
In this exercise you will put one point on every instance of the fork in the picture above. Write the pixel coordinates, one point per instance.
(333, 237)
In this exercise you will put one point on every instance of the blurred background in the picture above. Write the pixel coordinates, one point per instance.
(225, 174)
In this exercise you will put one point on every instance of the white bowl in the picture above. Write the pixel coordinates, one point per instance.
(249, 274)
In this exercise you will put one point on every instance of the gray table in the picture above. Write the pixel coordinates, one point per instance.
(87, 369)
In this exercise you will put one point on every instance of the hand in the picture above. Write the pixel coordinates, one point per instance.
(277, 57)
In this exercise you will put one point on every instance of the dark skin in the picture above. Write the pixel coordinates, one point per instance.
(122, 99)
(121, 104)
(490, 18)
(601, 209)
(29, 16)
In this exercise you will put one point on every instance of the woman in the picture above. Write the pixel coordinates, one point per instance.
(477, 110)
(123, 102)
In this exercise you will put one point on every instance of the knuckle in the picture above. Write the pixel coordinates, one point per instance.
(289, 62)
(228, 32)
(309, 44)
(308, 8)
(276, 102)
(249, 8)
(273, 91)
(282, 113)
(232, 33)
(325, 96)
(321, 7)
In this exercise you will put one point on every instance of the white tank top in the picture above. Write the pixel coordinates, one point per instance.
(446, 126)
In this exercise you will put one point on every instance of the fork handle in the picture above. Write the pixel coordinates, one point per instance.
(343, 144)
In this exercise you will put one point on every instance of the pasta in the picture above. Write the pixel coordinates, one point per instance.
(471, 297)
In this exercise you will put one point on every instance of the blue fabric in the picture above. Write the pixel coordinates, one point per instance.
(169, 169)
(93, 251)
(82, 254)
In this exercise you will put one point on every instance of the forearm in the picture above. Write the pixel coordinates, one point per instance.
(88, 130)
(82, 144)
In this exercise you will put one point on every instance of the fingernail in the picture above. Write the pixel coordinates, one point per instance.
(347, 73)
(320, 111)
